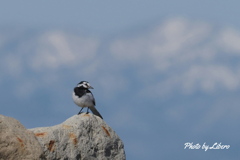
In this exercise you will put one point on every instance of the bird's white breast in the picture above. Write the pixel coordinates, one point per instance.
(84, 101)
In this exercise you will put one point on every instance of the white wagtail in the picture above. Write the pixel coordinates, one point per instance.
(83, 97)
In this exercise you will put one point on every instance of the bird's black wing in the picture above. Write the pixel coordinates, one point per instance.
(88, 91)
(94, 101)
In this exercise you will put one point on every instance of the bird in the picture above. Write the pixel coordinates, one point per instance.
(83, 97)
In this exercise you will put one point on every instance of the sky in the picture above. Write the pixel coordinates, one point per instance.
(164, 73)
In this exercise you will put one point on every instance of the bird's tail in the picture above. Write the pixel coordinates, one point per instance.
(95, 111)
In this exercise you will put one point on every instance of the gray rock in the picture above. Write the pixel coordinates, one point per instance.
(85, 137)
(16, 142)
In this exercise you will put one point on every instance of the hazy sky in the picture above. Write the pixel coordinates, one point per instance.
(112, 16)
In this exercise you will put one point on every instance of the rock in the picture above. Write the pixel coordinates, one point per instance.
(16, 142)
(84, 136)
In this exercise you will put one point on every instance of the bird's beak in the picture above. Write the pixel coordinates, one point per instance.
(90, 87)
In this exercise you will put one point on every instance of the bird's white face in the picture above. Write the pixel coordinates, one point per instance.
(85, 85)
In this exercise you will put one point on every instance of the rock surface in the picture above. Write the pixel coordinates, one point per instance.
(16, 142)
(81, 137)
(85, 137)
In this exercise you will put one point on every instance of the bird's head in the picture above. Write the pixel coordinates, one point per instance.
(84, 84)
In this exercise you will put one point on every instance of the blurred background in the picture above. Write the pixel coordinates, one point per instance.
(164, 72)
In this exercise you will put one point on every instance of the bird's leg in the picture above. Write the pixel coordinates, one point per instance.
(87, 110)
(80, 111)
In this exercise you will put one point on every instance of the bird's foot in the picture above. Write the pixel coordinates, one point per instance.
(87, 110)
(80, 111)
